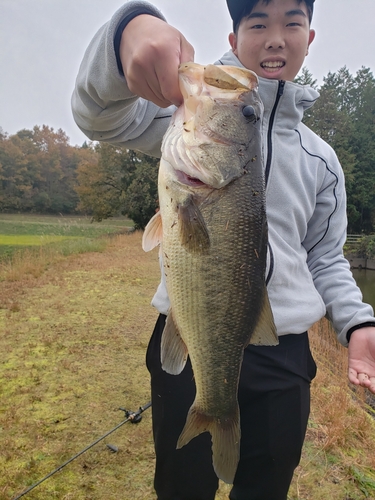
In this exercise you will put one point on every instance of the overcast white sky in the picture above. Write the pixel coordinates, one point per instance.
(42, 43)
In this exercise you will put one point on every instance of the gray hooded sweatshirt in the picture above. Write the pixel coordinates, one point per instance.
(307, 274)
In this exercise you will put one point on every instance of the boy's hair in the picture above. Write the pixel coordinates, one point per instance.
(239, 9)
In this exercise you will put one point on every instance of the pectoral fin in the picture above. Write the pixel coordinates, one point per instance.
(265, 331)
(153, 234)
(174, 352)
(193, 231)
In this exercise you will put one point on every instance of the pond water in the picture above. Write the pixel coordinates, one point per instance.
(365, 279)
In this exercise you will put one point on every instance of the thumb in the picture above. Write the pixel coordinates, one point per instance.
(187, 51)
(172, 93)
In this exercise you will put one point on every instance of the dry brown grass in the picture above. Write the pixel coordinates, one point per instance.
(343, 415)
(338, 458)
(73, 339)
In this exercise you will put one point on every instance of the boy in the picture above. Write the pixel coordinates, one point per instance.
(125, 88)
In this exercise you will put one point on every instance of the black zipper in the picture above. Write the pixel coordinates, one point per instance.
(280, 92)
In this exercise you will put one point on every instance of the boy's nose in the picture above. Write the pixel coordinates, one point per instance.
(275, 41)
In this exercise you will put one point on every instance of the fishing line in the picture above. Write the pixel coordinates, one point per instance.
(133, 417)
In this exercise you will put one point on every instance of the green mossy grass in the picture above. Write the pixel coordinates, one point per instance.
(60, 234)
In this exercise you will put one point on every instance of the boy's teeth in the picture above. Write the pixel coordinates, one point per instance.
(272, 64)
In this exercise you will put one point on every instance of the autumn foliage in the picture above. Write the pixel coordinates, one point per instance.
(41, 172)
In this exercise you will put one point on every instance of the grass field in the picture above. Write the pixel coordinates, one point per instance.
(73, 337)
(25, 231)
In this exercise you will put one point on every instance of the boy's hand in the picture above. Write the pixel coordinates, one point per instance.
(151, 51)
(362, 358)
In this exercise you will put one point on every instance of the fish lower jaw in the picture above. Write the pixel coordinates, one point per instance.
(189, 180)
(196, 182)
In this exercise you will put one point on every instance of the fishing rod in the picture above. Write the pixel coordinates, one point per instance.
(133, 417)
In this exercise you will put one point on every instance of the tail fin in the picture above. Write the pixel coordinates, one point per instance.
(225, 435)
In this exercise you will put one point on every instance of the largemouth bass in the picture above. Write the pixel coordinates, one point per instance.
(212, 231)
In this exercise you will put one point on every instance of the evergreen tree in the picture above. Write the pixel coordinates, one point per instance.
(362, 143)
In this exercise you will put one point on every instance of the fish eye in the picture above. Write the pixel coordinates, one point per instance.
(249, 113)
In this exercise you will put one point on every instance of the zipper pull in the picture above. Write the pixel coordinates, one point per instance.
(281, 88)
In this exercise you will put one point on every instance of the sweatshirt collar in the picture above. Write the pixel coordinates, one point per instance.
(296, 98)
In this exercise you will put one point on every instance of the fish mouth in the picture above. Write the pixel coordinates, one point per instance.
(189, 180)
(200, 140)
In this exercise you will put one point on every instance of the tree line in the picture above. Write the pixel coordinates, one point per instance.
(41, 172)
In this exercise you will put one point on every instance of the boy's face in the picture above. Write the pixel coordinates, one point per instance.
(273, 40)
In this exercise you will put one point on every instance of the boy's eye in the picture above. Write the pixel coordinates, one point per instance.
(294, 24)
(257, 26)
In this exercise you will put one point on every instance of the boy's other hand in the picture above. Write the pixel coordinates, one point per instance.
(362, 358)
(151, 51)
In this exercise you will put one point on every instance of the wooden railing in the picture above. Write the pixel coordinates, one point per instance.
(352, 239)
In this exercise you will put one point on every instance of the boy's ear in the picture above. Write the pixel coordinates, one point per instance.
(311, 39)
(233, 41)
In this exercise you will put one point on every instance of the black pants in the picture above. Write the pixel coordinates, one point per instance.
(274, 399)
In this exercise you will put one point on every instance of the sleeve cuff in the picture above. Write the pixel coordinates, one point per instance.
(357, 327)
(122, 26)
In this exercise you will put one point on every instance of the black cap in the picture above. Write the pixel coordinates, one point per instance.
(236, 7)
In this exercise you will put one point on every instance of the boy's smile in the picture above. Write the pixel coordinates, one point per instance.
(273, 40)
